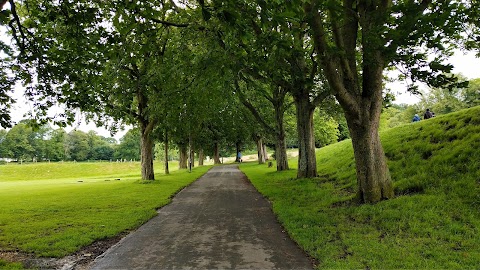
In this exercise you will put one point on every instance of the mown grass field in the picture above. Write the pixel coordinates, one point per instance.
(54, 209)
(433, 223)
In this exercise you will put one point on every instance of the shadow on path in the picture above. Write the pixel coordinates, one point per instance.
(220, 221)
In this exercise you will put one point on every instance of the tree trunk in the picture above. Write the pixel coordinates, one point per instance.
(265, 154)
(191, 154)
(280, 145)
(281, 155)
(359, 93)
(260, 153)
(201, 157)
(182, 163)
(167, 171)
(373, 176)
(216, 154)
(238, 149)
(307, 160)
(146, 147)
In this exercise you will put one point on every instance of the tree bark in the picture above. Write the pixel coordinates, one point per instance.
(280, 144)
(260, 153)
(201, 157)
(216, 154)
(191, 154)
(307, 160)
(182, 163)
(146, 147)
(373, 175)
(265, 154)
(167, 171)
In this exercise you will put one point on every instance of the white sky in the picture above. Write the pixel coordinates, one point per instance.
(464, 63)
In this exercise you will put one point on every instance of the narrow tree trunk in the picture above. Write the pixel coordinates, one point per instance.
(265, 154)
(216, 154)
(191, 154)
(146, 147)
(182, 163)
(281, 153)
(237, 147)
(201, 157)
(280, 144)
(167, 171)
(307, 160)
(373, 175)
(260, 154)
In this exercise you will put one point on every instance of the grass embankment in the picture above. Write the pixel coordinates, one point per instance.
(55, 209)
(434, 221)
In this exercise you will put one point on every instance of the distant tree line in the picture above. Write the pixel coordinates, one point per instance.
(25, 143)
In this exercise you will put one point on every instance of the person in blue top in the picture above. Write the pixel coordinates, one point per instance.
(239, 156)
(416, 118)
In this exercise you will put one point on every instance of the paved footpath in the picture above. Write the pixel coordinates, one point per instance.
(218, 222)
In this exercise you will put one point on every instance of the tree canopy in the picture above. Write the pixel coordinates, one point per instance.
(179, 71)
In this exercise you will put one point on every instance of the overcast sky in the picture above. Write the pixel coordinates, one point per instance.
(464, 63)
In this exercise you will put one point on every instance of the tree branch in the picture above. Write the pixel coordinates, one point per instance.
(327, 60)
(16, 19)
(2, 3)
(252, 109)
(166, 23)
(320, 98)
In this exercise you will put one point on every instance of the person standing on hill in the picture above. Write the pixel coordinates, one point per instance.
(428, 114)
(416, 118)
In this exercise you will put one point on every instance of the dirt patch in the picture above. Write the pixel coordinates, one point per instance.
(80, 260)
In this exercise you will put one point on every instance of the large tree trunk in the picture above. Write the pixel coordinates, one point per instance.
(216, 154)
(201, 157)
(280, 144)
(146, 147)
(167, 171)
(373, 175)
(182, 163)
(260, 153)
(307, 160)
(359, 93)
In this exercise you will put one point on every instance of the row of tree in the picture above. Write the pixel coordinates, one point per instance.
(188, 72)
(26, 143)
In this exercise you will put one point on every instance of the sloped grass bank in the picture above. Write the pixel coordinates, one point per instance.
(53, 218)
(433, 223)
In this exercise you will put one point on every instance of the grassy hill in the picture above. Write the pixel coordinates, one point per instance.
(434, 221)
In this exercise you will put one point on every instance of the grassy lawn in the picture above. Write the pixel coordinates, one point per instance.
(433, 223)
(55, 209)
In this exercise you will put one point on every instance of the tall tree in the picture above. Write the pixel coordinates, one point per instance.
(101, 57)
(17, 142)
(355, 41)
(129, 147)
(77, 148)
